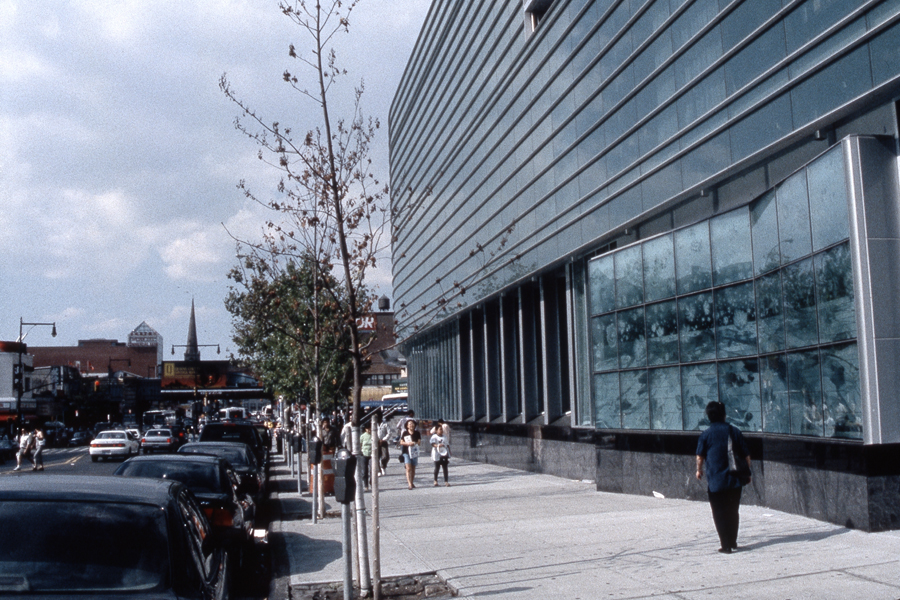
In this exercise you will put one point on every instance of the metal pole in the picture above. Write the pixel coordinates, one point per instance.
(374, 469)
(314, 488)
(346, 545)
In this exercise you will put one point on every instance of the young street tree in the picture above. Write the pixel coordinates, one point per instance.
(330, 205)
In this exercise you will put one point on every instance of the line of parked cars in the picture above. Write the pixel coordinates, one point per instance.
(193, 506)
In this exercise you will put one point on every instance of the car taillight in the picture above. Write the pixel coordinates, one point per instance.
(143, 440)
(94, 445)
(168, 440)
(218, 517)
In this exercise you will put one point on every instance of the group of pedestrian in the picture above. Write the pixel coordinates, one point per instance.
(31, 449)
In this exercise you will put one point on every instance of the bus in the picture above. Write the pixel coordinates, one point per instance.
(159, 418)
(232, 413)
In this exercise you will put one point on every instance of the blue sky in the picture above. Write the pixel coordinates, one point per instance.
(119, 161)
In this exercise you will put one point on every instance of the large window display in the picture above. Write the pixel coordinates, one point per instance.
(753, 307)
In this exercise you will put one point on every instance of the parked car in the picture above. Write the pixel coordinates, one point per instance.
(230, 431)
(159, 440)
(7, 448)
(74, 536)
(241, 458)
(80, 438)
(215, 486)
(118, 443)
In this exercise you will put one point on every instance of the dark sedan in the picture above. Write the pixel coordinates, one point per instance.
(215, 485)
(241, 459)
(237, 431)
(73, 536)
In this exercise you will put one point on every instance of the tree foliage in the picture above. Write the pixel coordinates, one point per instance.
(274, 320)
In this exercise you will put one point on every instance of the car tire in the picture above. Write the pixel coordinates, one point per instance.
(94, 458)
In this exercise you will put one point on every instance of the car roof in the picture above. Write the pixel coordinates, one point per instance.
(217, 444)
(177, 458)
(87, 488)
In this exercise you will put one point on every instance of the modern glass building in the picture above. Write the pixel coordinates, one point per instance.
(608, 213)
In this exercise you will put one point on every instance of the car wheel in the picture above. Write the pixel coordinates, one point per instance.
(94, 458)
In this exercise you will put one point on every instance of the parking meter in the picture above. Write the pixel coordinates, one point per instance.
(295, 443)
(344, 476)
(315, 451)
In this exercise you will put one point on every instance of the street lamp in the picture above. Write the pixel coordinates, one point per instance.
(21, 368)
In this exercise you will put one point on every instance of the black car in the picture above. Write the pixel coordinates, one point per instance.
(80, 438)
(75, 536)
(241, 459)
(215, 485)
(237, 431)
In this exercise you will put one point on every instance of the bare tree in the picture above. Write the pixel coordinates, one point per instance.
(327, 189)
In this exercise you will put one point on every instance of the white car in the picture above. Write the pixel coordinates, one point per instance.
(118, 443)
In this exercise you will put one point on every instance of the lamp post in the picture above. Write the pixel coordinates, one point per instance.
(20, 388)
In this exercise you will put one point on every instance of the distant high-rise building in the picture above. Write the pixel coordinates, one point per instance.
(144, 336)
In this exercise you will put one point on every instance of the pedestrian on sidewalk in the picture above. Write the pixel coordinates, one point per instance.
(26, 445)
(440, 452)
(365, 448)
(409, 443)
(39, 441)
(723, 484)
(384, 438)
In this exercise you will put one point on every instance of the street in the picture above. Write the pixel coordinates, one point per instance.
(77, 461)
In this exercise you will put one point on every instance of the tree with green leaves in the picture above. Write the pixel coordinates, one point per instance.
(278, 329)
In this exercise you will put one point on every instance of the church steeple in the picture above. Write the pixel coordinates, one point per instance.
(192, 352)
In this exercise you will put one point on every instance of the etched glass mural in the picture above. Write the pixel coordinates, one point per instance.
(754, 307)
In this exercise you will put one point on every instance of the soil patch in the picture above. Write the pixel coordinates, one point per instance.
(411, 587)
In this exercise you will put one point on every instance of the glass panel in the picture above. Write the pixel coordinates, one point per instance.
(692, 259)
(659, 269)
(800, 304)
(632, 338)
(764, 227)
(662, 333)
(834, 294)
(696, 327)
(629, 277)
(828, 200)
(602, 285)
(665, 399)
(739, 391)
(752, 60)
(805, 393)
(606, 401)
(770, 313)
(582, 343)
(736, 320)
(635, 399)
(603, 342)
(776, 413)
(840, 380)
(732, 252)
(699, 386)
(793, 218)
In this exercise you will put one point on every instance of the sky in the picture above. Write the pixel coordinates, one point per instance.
(119, 160)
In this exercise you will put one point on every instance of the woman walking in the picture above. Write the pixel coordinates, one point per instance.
(39, 441)
(409, 444)
(440, 452)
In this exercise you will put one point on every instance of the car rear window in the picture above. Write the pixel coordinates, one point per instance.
(197, 476)
(158, 433)
(81, 547)
(111, 435)
(228, 434)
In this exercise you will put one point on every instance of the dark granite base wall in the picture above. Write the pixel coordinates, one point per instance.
(843, 483)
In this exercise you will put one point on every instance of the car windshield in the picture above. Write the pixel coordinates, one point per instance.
(81, 547)
(111, 435)
(199, 477)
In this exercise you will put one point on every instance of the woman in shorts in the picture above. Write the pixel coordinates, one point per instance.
(409, 444)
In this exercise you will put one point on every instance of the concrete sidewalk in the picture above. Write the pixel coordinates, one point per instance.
(503, 534)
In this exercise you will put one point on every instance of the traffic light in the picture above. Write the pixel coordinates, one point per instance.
(18, 370)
